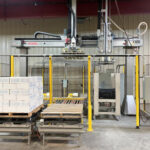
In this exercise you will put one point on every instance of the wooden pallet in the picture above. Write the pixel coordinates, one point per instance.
(67, 111)
(20, 115)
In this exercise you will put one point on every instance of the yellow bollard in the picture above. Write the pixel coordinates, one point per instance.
(12, 66)
(89, 96)
(137, 91)
(50, 81)
(123, 69)
(43, 70)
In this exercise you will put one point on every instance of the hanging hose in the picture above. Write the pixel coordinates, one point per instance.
(139, 27)
(45, 33)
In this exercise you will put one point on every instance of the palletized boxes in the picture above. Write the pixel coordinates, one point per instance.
(20, 94)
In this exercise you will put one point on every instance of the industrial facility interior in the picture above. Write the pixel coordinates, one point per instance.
(74, 74)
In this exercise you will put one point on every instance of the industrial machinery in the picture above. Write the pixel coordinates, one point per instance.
(72, 43)
(106, 94)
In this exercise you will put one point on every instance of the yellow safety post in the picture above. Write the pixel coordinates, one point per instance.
(123, 69)
(50, 81)
(89, 96)
(12, 66)
(83, 80)
(137, 91)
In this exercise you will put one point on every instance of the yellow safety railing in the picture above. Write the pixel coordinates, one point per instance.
(51, 99)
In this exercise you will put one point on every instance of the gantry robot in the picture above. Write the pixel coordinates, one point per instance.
(72, 43)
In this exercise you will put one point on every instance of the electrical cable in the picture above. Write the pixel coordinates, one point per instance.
(118, 10)
(45, 33)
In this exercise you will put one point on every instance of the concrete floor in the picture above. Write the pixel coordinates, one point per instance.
(107, 135)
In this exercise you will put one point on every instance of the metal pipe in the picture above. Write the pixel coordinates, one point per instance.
(106, 27)
(12, 66)
(71, 55)
(144, 105)
(89, 96)
(69, 19)
(45, 33)
(27, 63)
(43, 76)
(83, 80)
(118, 67)
(73, 18)
(137, 92)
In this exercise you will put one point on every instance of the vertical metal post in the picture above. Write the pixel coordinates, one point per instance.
(43, 75)
(74, 24)
(89, 96)
(27, 63)
(50, 81)
(137, 91)
(106, 27)
(12, 66)
(83, 81)
(144, 106)
(83, 87)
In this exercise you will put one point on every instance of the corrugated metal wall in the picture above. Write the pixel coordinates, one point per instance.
(9, 29)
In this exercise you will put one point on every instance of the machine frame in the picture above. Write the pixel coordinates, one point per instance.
(116, 101)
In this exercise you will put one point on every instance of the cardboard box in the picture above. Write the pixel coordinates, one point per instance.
(3, 92)
(21, 94)
(4, 80)
(6, 106)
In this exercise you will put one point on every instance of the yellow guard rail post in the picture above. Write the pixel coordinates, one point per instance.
(89, 96)
(137, 91)
(12, 66)
(50, 81)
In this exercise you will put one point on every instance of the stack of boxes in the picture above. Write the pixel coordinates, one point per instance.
(20, 94)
